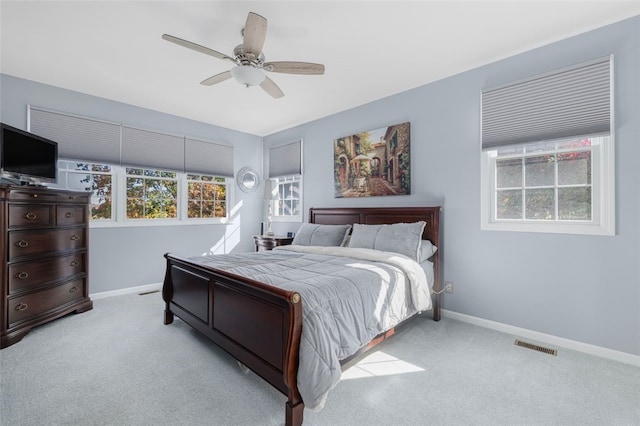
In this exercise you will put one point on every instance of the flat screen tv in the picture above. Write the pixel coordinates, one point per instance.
(27, 158)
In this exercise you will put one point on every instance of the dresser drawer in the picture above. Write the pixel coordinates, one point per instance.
(70, 215)
(78, 198)
(29, 274)
(25, 243)
(19, 195)
(29, 215)
(32, 305)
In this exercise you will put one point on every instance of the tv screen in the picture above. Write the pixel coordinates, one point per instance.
(27, 157)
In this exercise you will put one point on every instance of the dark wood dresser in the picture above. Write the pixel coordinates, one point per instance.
(44, 257)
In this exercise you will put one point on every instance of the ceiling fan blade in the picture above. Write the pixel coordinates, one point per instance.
(218, 78)
(289, 67)
(254, 33)
(271, 88)
(197, 47)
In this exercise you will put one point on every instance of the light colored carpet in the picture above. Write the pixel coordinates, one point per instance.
(119, 365)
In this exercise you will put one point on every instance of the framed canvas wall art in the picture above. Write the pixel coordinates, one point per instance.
(373, 163)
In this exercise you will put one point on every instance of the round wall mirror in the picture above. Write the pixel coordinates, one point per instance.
(248, 179)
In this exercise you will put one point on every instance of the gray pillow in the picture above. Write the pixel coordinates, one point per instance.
(403, 238)
(311, 234)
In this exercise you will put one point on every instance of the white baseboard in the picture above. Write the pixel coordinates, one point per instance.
(611, 354)
(129, 290)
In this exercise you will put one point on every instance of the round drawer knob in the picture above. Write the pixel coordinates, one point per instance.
(22, 307)
(68, 215)
(30, 216)
(23, 275)
(73, 289)
(23, 243)
(74, 263)
(75, 237)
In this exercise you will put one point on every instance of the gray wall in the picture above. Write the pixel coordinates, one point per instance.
(583, 288)
(132, 256)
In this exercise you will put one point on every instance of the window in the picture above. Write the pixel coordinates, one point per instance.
(285, 171)
(548, 153)
(207, 196)
(551, 186)
(138, 176)
(151, 194)
(288, 203)
(97, 178)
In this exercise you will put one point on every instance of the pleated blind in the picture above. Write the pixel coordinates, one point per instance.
(77, 137)
(574, 101)
(89, 139)
(208, 158)
(285, 160)
(150, 149)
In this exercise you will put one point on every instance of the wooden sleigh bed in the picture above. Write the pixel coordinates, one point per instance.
(226, 308)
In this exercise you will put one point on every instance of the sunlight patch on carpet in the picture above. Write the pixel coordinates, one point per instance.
(379, 364)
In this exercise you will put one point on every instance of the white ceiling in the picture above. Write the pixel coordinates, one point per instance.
(371, 49)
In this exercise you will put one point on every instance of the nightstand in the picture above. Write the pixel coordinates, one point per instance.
(268, 242)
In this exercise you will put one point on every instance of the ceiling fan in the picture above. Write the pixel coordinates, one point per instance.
(249, 61)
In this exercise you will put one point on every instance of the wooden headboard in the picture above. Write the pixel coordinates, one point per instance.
(388, 215)
(381, 215)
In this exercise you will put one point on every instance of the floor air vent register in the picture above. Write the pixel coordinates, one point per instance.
(538, 348)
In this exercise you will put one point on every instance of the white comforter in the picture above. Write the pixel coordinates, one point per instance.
(420, 288)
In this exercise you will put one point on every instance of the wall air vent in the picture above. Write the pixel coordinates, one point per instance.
(536, 347)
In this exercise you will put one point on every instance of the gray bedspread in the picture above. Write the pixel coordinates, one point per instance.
(348, 297)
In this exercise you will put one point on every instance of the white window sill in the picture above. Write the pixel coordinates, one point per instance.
(155, 222)
(552, 228)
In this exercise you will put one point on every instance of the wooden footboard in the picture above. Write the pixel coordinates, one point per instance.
(257, 324)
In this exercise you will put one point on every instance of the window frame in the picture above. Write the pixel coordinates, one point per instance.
(67, 171)
(602, 196)
(145, 177)
(291, 218)
(184, 207)
(119, 196)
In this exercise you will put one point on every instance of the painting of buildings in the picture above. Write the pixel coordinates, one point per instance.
(373, 163)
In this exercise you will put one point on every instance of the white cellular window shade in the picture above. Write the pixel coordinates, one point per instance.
(151, 149)
(208, 158)
(94, 140)
(570, 102)
(77, 137)
(285, 160)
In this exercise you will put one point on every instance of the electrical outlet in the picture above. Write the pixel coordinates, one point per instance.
(448, 287)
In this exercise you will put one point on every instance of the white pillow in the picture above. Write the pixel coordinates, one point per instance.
(403, 238)
(427, 249)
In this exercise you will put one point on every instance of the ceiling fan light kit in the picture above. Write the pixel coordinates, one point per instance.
(249, 60)
(248, 75)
